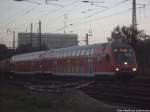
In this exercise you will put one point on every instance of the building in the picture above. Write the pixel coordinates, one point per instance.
(51, 40)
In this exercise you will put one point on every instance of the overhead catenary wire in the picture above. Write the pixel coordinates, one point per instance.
(55, 22)
(115, 6)
(98, 19)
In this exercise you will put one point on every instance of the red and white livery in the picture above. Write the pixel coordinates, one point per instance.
(85, 61)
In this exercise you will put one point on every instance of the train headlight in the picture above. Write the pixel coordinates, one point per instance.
(125, 63)
(134, 69)
(117, 69)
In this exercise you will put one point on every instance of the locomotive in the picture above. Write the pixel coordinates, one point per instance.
(98, 60)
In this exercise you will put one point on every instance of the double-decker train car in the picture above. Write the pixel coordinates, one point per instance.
(106, 59)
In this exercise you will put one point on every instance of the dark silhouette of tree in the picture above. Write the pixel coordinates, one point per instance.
(3, 47)
(5, 52)
(125, 34)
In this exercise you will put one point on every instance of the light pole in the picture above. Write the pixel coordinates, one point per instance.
(14, 36)
(134, 24)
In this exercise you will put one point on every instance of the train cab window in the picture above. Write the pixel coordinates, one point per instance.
(122, 57)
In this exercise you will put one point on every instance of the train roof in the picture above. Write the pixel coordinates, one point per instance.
(27, 56)
(37, 55)
(114, 44)
(118, 44)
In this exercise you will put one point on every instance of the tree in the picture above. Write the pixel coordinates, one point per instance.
(125, 34)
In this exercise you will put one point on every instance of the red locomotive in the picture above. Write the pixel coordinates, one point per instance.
(107, 59)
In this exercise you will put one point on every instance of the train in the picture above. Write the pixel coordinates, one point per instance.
(90, 61)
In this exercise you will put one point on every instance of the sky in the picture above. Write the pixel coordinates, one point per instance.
(73, 16)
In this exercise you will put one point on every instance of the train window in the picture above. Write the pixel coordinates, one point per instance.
(73, 53)
(87, 52)
(78, 53)
(107, 57)
(61, 55)
(69, 69)
(69, 53)
(65, 54)
(65, 69)
(92, 51)
(80, 69)
(72, 68)
(77, 69)
(99, 59)
(58, 55)
(50, 62)
(83, 52)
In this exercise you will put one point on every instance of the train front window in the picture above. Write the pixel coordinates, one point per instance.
(124, 56)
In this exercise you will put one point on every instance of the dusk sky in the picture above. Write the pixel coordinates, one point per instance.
(100, 15)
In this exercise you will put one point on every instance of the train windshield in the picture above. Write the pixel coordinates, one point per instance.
(124, 56)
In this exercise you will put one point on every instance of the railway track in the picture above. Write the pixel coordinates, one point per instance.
(130, 95)
(53, 86)
(58, 87)
(133, 94)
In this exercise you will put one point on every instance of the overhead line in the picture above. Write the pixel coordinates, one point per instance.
(116, 5)
(19, 17)
(98, 19)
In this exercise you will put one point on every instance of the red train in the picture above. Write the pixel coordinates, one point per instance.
(107, 59)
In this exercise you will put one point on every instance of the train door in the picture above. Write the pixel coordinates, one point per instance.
(90, 65)
(108, 63)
